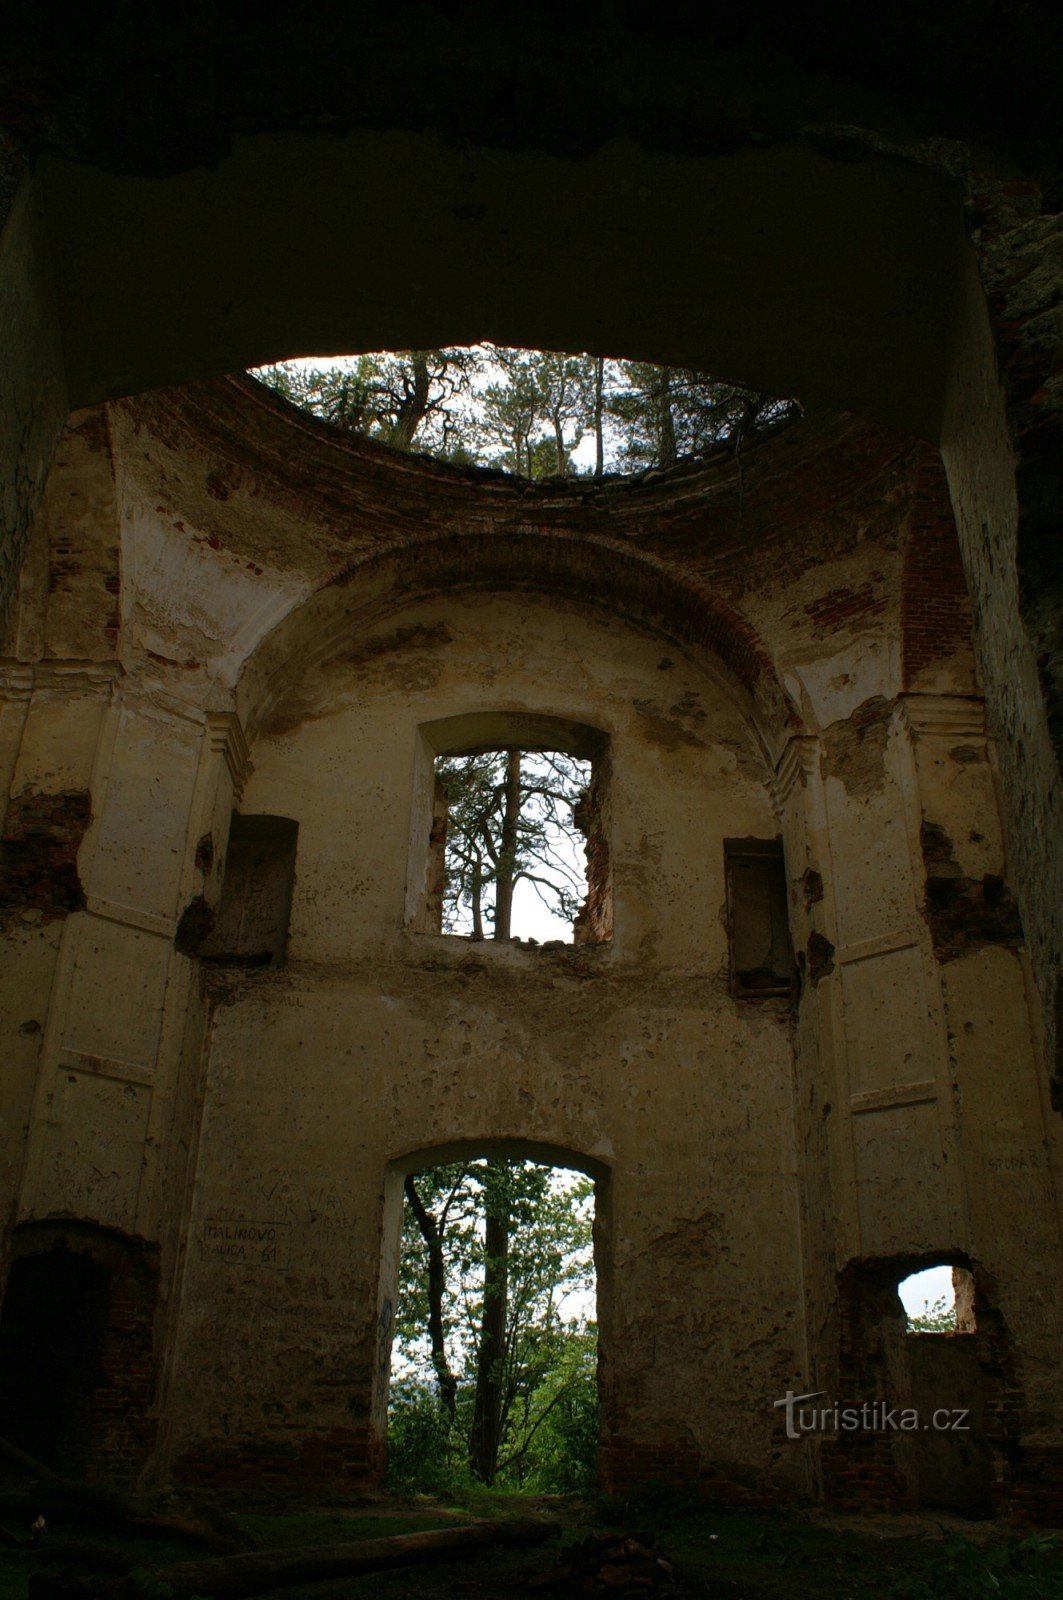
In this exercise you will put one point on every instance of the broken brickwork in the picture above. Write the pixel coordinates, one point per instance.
(42, 834)
(249, 1005)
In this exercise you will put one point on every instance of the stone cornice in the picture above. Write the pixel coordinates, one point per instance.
(949, 716)
(797, 762)
(227, 738)
(20, 680)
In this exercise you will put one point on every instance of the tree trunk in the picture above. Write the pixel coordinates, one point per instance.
(599, 432)
(507, 856)
(751, 409)
(559, 443)
(487, 1412)
(665, 422)
(476, 895)
(437, 1278)
(414, 405)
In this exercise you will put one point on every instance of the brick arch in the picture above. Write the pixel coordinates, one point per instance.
(595, 572)
(109, 1284)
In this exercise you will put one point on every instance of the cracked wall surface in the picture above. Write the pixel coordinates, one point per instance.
(858, 209)
(748, 643)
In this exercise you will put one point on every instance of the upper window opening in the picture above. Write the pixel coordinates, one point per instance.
(939, 1300)
(515, 827)
(531, 413)
(514, 808)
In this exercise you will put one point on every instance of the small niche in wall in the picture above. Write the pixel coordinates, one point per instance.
(757, 920)
(251, 922)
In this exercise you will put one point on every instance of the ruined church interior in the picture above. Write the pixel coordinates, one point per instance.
(807, 1039)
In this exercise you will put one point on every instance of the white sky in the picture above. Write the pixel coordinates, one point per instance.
(583, 454)
(531, 918)
(922, 1289)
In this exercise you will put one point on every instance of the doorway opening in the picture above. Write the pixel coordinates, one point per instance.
(494, 1357)
(77, 1349)
(52, 1335)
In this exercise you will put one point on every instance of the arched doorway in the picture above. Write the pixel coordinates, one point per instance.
(513, 1391)
(76, 1349)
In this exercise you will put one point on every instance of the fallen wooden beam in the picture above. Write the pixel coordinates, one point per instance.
(232, 1577)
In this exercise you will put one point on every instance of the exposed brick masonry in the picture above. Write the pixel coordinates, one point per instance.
(937, 619)
(39, 850)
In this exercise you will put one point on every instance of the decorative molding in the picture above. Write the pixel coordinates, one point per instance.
(20, 680)
(949, 716)
(227, 738)
(105, 1067)
(798, 761)
(130, 916)
(883, 944)
(16, 681)
(901, 1094)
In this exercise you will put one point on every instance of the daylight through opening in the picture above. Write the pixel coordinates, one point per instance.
(516, 827)
(938, 1300)
(494, 1359)
(530, 413)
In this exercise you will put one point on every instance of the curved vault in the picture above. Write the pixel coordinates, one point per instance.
(351, 531)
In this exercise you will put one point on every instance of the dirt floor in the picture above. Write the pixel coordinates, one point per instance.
(655, 1545)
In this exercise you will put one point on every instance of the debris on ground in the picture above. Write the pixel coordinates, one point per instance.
(610, 1564)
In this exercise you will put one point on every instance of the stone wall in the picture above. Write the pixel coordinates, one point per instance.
(839, 163)
(762, 649)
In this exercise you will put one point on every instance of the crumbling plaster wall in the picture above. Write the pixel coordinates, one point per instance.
(869, 143)
(748, 629)
(383, 1042)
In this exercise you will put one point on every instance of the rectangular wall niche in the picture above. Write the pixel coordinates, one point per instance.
(251, 922)
(757, 919)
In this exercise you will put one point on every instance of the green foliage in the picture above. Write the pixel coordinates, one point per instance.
(1020, 1569)
(422, 1453)
(339, 395)
(563, 1455)
(392, 397)
(665, 414)
(527, 411)
(547, 1368)
(939, 1317)
(531, 419)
